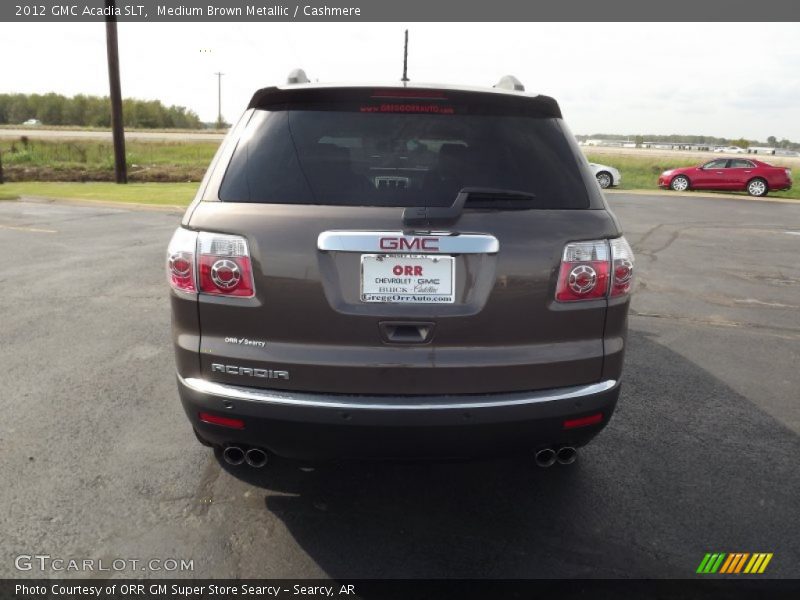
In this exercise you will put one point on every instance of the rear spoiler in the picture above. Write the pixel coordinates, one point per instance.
(347, 98)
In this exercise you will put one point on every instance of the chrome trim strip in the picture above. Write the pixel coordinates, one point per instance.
(306, 400)
(369, 241)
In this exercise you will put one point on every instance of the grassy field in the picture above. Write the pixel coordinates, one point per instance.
(93, 160)
(641, 172)
(17, 127)
(163, 194)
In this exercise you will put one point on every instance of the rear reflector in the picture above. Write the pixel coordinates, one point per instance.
(583, 421)
(224, 421)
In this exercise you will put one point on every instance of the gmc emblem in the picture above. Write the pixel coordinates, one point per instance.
(420, 244)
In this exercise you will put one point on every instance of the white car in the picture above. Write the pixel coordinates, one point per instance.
(731, 150)
(606, 176)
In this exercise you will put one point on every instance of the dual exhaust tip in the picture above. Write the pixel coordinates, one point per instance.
(547, 457)
(254, 457)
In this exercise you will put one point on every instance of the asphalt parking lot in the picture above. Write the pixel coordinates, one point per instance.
(99, 460)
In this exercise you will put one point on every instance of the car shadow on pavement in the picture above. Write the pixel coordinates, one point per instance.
(686, 466)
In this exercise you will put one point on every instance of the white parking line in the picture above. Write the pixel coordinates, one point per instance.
(31, 229)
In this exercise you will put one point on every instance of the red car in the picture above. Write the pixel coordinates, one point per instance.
(738, 174)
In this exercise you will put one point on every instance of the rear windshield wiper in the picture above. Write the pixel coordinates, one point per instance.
(429, 215)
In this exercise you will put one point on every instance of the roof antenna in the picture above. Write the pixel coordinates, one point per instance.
(405, 78)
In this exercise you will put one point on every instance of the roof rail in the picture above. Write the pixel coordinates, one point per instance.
(297, 76)
(509, 82)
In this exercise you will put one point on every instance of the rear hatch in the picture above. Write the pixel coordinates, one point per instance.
(403, 242)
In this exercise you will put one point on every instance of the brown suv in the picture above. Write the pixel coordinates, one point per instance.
(393, 271)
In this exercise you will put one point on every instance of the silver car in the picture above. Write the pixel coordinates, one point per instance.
(606, 176)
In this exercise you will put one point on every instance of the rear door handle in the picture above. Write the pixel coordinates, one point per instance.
(406, 332)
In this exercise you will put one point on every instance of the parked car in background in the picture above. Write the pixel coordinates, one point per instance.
(755, 177)
(731, 150)
(32, 122)
(606, 176)
(390, 271)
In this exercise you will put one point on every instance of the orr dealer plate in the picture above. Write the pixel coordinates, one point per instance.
(407, 279)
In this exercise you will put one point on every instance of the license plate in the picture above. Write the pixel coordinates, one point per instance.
(407, 279)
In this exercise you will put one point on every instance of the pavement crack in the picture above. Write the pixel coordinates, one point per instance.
(652, 253)
(782, 332)
(204, 495)
(638, 245)
(674, 236)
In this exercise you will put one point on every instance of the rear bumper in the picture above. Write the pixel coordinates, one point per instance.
(319, 426)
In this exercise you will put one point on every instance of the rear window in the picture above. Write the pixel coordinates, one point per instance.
(411, 154)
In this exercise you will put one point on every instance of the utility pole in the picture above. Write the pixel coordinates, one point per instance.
(118, 132)
(405, 78)
(219, 99)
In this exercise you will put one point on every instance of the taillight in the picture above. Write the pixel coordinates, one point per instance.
(224, 267)
(595, 269)
(211, 263)
(621, 266)
(180, 260)
(584, 271)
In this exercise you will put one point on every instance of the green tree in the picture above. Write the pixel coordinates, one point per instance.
(51, 109)
(75, 110)
(19, 109)
(92, 111)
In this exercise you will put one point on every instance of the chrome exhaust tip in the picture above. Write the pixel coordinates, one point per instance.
(566, 455)
(545, 457)
(233, 455)
(255, 457)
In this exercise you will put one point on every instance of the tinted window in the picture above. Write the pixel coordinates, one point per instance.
(716, 164)
(741, 164)
(366, 159)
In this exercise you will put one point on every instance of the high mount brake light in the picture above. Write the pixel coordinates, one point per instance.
(595, 269)
(409, 93)
(211, 263)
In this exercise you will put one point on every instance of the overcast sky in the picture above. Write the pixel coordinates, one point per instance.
(720, 79)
